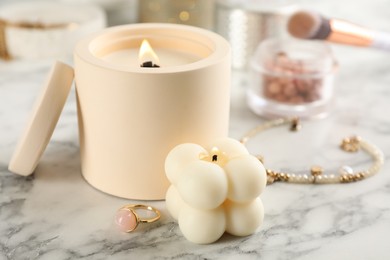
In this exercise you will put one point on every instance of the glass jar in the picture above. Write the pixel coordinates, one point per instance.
(245, 23)
(291, 77)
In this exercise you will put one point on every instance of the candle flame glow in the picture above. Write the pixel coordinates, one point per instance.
(215, 155)
(214, 150)
(147, 54)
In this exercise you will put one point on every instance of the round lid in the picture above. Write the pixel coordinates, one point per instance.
(44, 117)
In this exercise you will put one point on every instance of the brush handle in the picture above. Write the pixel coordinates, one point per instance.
(381, 41)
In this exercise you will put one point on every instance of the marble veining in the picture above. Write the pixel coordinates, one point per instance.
(55, 214)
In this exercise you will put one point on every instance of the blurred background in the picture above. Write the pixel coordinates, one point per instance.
(37, 30)
(245, 23)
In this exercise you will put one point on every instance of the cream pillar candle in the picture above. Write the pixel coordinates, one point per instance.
(131, 117)
(215, 190)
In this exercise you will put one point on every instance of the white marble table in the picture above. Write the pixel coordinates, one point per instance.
(55, 214)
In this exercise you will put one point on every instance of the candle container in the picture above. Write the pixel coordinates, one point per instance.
(129, 116)
(291, 78)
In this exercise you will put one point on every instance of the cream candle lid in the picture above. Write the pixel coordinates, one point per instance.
(43, 120)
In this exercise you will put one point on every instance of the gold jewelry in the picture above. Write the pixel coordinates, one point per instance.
(128, 220)
(316, 176)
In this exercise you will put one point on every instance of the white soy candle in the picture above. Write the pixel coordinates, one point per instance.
(130, 116)
(215, 189)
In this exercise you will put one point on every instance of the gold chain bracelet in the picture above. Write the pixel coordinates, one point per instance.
(316, 176)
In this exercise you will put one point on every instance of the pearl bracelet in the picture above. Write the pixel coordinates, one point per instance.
(346, 175)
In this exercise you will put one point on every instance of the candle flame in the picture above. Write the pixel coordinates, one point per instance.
(147, 54)
(214, 154)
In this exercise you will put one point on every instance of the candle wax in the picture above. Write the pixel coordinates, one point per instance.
(167, 57)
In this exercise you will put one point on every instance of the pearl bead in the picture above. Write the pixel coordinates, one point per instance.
(345, 170)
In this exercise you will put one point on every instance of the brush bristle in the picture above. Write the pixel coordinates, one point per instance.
(307, 25)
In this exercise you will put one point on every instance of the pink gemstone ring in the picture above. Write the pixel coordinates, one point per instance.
(128, 220)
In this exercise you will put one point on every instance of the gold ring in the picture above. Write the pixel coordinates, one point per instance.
(128, 220)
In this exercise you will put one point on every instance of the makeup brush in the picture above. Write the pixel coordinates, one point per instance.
(311, 25)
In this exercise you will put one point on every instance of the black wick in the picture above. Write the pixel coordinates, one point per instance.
(149, 64)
